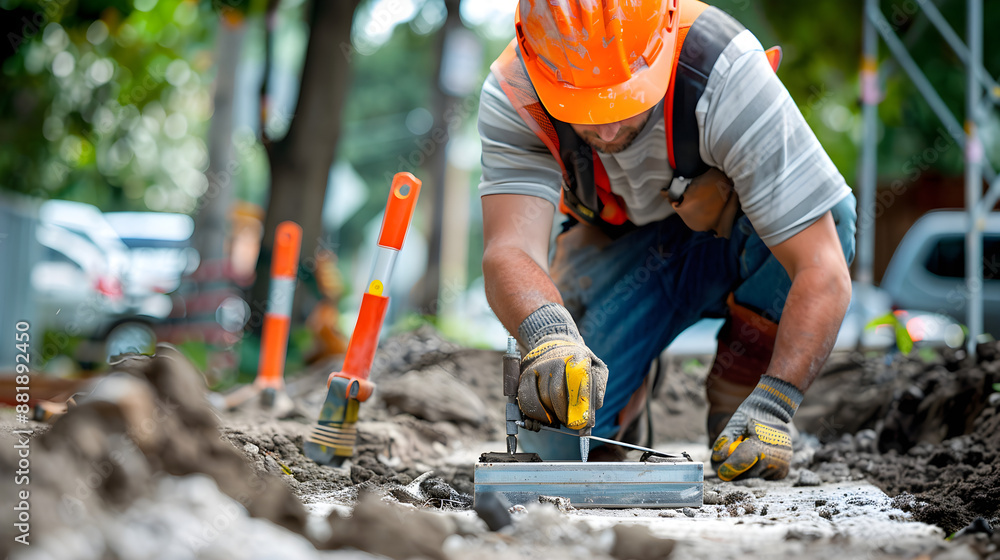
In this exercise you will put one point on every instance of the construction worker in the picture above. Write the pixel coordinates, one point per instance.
(693, 188)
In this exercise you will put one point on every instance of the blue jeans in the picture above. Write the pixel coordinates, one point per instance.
(632, 296)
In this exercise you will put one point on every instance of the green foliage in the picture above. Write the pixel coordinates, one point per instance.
(692, 366)
(927, 354)
(822, 44)
(107, 102)
(903, 340)
(61, 343)
(197, 352)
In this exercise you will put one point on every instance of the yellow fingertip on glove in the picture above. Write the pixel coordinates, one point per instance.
(735, 444)
(728, 472)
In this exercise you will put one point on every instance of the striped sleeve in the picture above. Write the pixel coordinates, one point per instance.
(754, 133)
(514, 161)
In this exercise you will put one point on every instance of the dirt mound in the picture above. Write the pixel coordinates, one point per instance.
(935, 436)
(437, 382)
(926, 398)
(148, 418)
(950, 483)
(144, 451)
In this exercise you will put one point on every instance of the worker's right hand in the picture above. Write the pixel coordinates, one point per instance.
(562, 381)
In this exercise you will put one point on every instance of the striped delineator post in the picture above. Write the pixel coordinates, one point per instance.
(332, 439)
(277, 319)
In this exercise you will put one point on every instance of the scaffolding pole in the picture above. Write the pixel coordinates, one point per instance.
(870, 94)
(974, 176)
(977, 166)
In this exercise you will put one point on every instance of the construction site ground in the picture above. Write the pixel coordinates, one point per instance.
(897, 457)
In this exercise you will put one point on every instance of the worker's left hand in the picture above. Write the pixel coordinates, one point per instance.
(757, 441)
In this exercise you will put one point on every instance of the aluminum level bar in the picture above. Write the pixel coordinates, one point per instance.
(596, 484)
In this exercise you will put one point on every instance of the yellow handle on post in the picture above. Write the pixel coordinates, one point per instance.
(578, 394)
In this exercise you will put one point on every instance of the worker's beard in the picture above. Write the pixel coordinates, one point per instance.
(626, 135)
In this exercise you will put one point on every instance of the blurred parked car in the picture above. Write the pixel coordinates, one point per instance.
(927, 271)
(76, 283)
(99, 272)
(159, 255)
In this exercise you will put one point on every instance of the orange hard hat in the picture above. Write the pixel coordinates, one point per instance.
(597, 61)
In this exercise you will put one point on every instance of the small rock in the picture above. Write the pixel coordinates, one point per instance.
(272, 466)
(688, 512)
(807, 478)
(827, 512)
(436, 488)
(802, 534)
(494, 509)
(669, 513)
(820, 503)
(636, 542)
(712, 498)
(865, 441)
(414, 533)
(558, 501)
(978, 525)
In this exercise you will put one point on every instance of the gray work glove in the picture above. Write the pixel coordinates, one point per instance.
(562, 381)
(757, 441)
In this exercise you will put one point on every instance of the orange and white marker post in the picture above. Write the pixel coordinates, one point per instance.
(277, 320)
(332, 438)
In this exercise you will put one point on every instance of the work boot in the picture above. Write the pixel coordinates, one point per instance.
(746, 343)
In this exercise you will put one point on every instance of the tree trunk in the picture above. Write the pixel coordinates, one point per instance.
(427, 291)
(301, 161)
(213, 213)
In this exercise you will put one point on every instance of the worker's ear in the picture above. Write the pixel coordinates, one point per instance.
(709, 203)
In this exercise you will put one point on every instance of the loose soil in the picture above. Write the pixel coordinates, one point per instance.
(935, 440)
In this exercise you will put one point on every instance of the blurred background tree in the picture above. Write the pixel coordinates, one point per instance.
(106, 102)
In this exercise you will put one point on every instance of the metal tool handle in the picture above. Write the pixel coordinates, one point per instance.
(511, 375)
